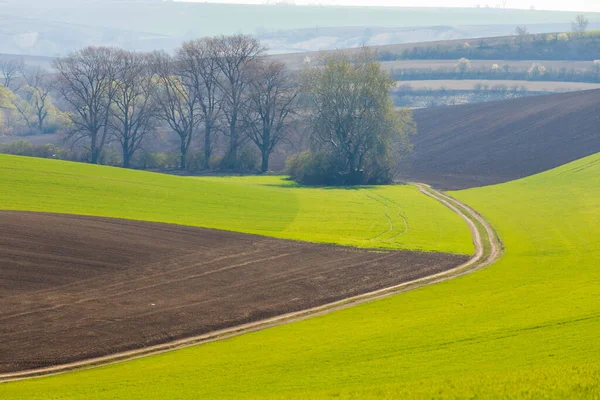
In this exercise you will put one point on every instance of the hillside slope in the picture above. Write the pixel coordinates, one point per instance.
(524, 328)
(481, 144)
(48, 28)
(394, 217)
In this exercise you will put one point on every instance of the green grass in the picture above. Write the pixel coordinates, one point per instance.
(395, 217)
(526, 327)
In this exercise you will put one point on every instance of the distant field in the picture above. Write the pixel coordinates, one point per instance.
(484, 144)
(468, 84)
(393, 217)
(524, 328)
(296, 60)
(475, 64)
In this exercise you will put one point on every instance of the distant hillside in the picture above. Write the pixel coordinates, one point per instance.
(42, 27)
(482, 144)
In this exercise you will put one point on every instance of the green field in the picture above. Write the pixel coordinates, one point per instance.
(526, 327)
(395, 217)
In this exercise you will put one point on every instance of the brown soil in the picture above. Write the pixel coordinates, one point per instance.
(73, 288)
(482, 144)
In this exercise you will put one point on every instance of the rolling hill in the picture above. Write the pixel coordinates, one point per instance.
(525, 327)
(391, 217)
(37, 27)
(483, 144)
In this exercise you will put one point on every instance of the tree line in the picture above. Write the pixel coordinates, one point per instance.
(225, 90)
(220, 86)
(536, 71)
(577, 45)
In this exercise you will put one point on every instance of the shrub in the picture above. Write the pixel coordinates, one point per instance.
(195, 161)
(319, 169)
(148, 160)
(248, 160)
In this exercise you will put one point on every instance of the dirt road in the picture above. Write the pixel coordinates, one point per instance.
(146, 308)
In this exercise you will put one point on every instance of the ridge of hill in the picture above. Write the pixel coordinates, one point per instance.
(56, 27)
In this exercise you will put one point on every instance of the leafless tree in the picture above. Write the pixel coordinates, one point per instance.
(135, 110)
(10, 69)
(273, 95)
(177, 100)
(522, 35)
(579, 26)
(86, 82)
(234, 55)
(198, 63)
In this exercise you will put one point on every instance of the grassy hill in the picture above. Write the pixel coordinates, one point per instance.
(396, 217)
(483, 144)
(525, 327)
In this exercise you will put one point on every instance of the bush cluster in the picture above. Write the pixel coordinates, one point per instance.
(310, 168)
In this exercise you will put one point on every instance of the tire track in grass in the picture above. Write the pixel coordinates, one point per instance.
(488, 249)
(400, 216)
(386, 214)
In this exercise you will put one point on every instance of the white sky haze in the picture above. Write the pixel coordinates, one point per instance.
(571, 5)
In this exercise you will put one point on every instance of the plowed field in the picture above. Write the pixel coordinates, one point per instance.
(73, 287)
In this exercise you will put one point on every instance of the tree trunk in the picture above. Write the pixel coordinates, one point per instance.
(94, 151)
(126, 153)
(265, 161)
(182, 157)
(207, 150)
(233, 142)
(233, 145)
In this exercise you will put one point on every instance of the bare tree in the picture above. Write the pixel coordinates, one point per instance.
(134, 111)
(86, 82)
(272, 103)
(10, 69)
(579, 26)
(177, 100)
(198, 63)
(234, 55)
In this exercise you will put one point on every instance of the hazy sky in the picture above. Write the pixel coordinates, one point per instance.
(571, 5)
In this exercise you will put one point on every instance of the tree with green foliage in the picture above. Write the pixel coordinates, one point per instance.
(35, 105)
(463, 66)
(7, 100)
(357, 135)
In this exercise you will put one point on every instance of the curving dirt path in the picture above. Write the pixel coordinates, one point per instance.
(488, 250)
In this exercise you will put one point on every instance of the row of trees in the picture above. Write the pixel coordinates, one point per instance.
(575, 45)
(26, 98)
(222, 86)
(224, 90)
(536, 71)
